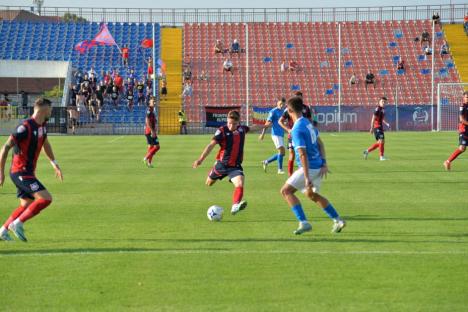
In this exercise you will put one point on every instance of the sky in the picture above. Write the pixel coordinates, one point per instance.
(225, 4)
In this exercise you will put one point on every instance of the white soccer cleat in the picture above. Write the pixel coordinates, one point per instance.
(338, 225)
(280, 171)
(382, 158)
(365, 154)
(265, 165)
(18, 230)
(238, 207)
(303, 227)
(5, 236)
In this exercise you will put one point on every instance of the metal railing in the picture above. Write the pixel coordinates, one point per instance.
(450, 13)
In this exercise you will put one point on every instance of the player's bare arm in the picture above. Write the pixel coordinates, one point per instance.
(463, 120)
(372, 124)
(305, 166)
(283, 125)
(204, 154)
(265, 127)
(3, 157)
(50, 155)
(324, 170)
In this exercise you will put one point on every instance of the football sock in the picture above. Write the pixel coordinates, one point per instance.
(34, 209)
(381, 149)
(237, 195)
(331, 212)
(373, 147)
(280, 162)
(454, 155)
(148, 152)
(15, 214)
(290, 167)
(300, 215)
(153, 151)
(272, 158)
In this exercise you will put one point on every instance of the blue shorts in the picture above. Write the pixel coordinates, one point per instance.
(26, 184)
(220, 171)
(151, 141)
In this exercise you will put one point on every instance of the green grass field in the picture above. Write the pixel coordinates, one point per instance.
(120, 236)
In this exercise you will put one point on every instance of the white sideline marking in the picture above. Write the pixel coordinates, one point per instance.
(222, 252)
(116, 139)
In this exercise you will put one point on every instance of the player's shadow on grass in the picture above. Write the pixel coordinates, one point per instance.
(382, 218)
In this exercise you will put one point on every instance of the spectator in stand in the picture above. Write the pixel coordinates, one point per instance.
(235, 46)
(150, 67)
(444, 49)
(73, 91)
(109, 88)
(164, 89)
(115, 96)
(436, 18)
(93, 106)
(203, 76)
(91, 72)
(129, 97)
(107, 78)
(425, 38)
(100, 91)
(401, 64)
(3, 109)
(283, 66)
(228, 66)
(219, 47)
(353, 80)
(182, 122)
(74, 117)
(132, 75)
(129, 84)
(125, 54)
(293, 66)
(24, 102)
(118, 82)
(187, 74)
(416, 39)
(85, 88)
(427, 52)
(141, 92)
(149, 89)
(78, 77)
(81, 103)
(370, 78)
(187, 90)
(92, 83)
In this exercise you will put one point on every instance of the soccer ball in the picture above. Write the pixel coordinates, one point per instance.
(215, 213)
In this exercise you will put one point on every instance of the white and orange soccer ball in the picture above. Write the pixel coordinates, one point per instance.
(215, 213)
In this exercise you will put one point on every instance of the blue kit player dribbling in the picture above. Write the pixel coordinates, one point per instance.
(310, 157)
(277, 135)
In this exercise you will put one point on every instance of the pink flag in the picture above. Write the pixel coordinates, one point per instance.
(104, 37)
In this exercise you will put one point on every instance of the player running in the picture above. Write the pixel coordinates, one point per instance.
(230, 138)
(150, 133)
(310, 155)
(377, 122)
(463, 132)
(277, 135)
(287, 123)
(27, 142)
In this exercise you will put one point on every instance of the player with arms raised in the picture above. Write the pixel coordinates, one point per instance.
(463, 132)
(310, 155)
(231, 139)
(377, 122)
(27, 142)
(150, 133)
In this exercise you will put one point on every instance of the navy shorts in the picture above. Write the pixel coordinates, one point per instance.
(151, 140)
(379, 134)
(463, 139)
(290, 146)
(26, 184)
(220, 171)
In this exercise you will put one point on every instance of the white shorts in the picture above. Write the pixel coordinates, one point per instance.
(297, 180)
(278, 141)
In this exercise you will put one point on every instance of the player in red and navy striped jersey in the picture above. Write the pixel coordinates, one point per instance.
(231, 139)
(150, 133)
(27, 141)
(377, 122)
(462, 132)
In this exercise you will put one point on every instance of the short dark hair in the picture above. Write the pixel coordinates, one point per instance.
(233, 115)
(296, 104)
(384, 98)
(298, 93)
(41, 102)
(283, 99)
(465, 93)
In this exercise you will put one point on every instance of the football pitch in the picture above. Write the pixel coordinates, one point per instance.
(120, 236)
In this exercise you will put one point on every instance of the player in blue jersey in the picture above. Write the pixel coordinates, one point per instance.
(277, 135)
(310, 157)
